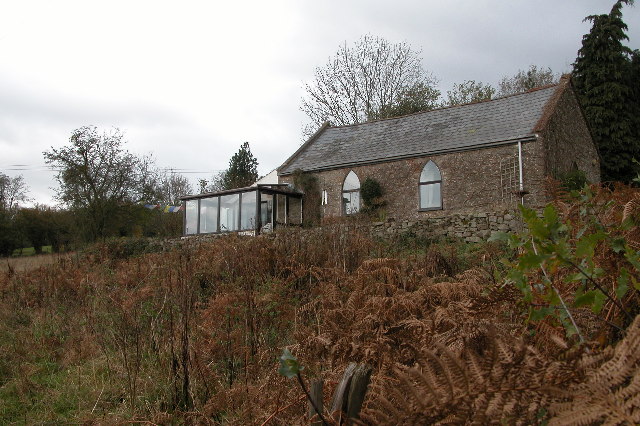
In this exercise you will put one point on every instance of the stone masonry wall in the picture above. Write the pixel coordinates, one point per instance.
(473, 228)
(472, 181)
(567, 141)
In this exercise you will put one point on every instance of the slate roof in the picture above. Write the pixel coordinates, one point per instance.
(449, 129)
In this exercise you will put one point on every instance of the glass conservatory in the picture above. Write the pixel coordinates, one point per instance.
(251, 210)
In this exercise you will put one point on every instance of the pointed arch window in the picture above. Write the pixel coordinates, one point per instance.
(430, 187)
(351, 194)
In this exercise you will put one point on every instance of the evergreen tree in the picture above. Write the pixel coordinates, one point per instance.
(243, 169)
(601, 76)
(633, 81)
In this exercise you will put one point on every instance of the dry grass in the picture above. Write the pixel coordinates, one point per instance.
(28, 263)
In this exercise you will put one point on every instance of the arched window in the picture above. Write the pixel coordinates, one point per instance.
(351, 194)
(429, 186)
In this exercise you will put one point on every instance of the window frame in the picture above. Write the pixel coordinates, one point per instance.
(429, 183)
(185, 218)
(349, 191)
(217, 214)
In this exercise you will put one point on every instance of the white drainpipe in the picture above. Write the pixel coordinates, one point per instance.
(520, 172)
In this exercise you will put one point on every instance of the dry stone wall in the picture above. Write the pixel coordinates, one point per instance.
(472, 227)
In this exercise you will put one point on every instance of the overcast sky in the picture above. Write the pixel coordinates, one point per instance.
(189, 81)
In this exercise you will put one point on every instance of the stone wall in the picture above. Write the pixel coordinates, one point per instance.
(472, 181)
(474, 227)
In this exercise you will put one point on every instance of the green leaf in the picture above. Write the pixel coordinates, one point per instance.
(618, 244)
(550, 214)
(541, 313)
(597, 272)
(539, 230)
(594, 299)
(632, 257)
(519, 280)
(530, 260)
(598, 302)
(289, 366)
(623, 283)
(578, 277)
(527, 213)
(561, 249)
(587, 298)
(553, 298)
(586, 245)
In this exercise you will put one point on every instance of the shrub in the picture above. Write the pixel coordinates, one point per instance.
(580, 255)
(308, 184)
(574, 180)
(371, 193)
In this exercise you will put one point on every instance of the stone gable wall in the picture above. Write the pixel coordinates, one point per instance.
(567, 140)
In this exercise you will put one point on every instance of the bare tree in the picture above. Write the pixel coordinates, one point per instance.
(526, 80)
(366, 81)
(171, 186)
(217, 182)
(13, 191)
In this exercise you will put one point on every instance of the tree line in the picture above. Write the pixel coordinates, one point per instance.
(103, 190)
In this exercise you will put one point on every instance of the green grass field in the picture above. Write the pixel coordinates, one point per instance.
(30, 251)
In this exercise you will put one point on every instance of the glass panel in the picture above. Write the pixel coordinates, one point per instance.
(266, 212)
(351, 182)
(295, 211)
(208, 215)
(430, 173)
(430, 196)
(248, 211)
(229, 205)
(351, 202)
(280, 208)
(191, 217)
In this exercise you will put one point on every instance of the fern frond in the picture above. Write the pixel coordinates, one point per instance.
(509, 382)
(610, 394)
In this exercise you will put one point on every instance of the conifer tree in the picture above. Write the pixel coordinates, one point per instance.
(243, 169)
(633, 80)
(601, 76)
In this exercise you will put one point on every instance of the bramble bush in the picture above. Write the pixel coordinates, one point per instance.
(580, 252)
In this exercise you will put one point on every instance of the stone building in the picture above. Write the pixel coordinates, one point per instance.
(480, 157)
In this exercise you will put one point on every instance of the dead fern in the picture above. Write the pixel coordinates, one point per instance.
(505, 382)
(611, 393)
